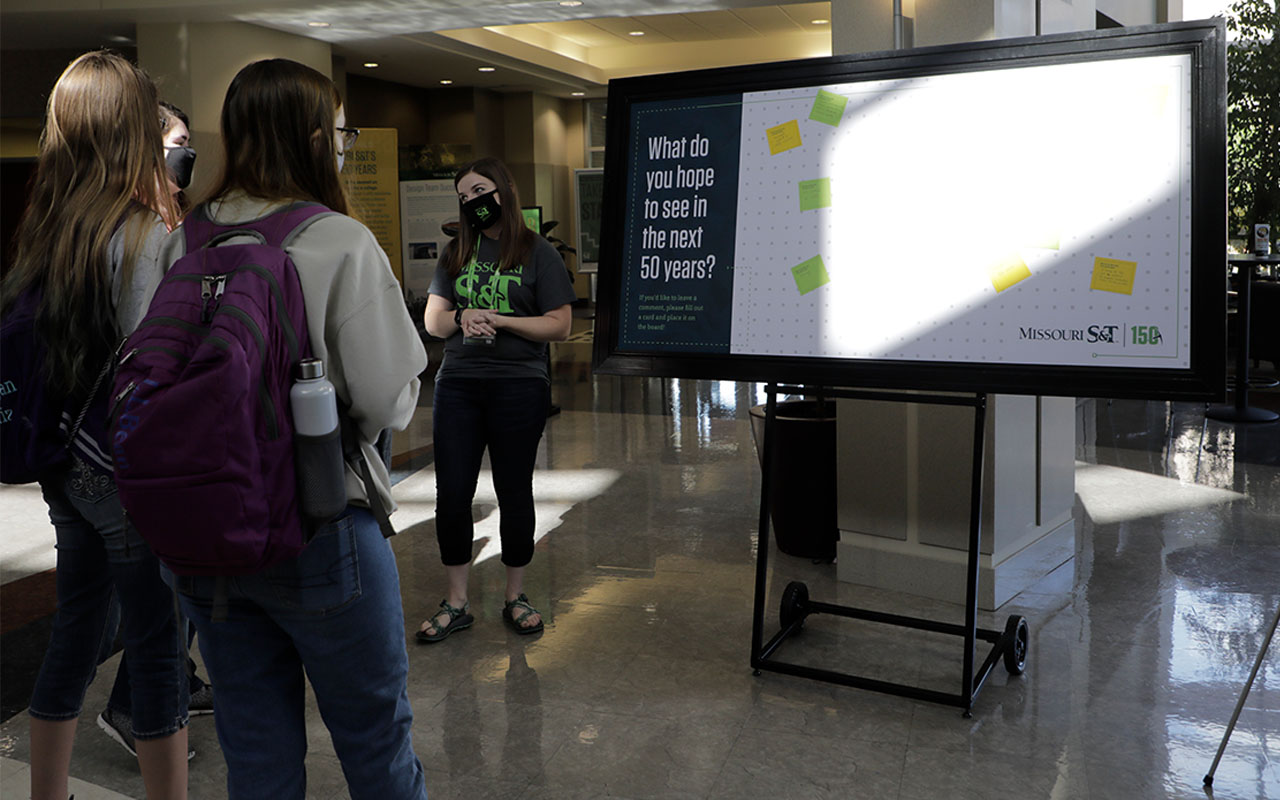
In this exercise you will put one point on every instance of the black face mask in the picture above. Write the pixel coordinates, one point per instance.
(483, 211)
(180, 161)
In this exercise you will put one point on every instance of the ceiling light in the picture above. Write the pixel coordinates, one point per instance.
(635, 33)
(371, 64)
(570, 3)
(578, 94)
(486, 69)
(820, 21)
(446, 82)
(317, 24)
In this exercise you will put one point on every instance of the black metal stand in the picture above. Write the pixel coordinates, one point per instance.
(1011, 643)
(1244, 694)
(1241, 411)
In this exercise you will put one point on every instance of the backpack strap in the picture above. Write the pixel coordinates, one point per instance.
(278, 229)
(354, 455)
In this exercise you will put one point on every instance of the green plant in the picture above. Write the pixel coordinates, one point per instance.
(1253, 114)
(562, 247)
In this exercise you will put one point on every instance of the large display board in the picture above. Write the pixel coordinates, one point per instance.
(1040, 216)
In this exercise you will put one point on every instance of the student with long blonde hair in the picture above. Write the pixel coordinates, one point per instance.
(88, 246)
(331, 615)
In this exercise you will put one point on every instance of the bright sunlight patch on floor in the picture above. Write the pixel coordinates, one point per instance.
(1114, 494)
(555, 492)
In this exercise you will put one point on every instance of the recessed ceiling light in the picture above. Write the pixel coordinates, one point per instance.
(820, 21)
(317, 24)
(570, 3)
(486, 69)
(635, 33)
(578, 94)
(118, 39)
(371, 64)
(446, 81)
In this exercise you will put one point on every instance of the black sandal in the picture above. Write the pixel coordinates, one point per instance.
(459, 619)
(526, 611)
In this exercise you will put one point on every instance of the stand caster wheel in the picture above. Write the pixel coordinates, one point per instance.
(795, 599)
(1016, 637)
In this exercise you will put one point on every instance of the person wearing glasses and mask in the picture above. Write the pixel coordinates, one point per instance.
(499, 295)
(331, 616)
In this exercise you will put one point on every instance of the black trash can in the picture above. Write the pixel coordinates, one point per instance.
(803, 496)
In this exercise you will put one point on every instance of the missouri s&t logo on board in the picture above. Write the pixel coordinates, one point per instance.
(1094, 333)
(1107, 334)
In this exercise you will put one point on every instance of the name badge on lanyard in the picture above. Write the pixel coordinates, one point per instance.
(479, 341)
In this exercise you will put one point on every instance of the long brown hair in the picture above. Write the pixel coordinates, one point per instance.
(278, 135)
(514, 242)
(101, 164)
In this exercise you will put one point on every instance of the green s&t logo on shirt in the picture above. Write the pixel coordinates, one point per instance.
(483, 286)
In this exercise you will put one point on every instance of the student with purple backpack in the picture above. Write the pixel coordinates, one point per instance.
(325, 607)
(86, 262)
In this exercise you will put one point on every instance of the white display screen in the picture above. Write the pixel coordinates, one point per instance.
(1023, 212)
(954, 224)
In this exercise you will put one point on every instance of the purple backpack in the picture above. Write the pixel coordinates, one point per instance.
(38, 431)
(201, 432)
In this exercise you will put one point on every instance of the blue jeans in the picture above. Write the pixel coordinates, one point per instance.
(100, 553)
(121, 701)
(334, 615)
(507, 415)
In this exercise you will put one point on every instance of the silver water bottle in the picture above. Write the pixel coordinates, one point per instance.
(317, 443)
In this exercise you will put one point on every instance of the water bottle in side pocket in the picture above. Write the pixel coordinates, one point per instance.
(317, 444)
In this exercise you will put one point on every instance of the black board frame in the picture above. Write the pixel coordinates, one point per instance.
(1205, 378)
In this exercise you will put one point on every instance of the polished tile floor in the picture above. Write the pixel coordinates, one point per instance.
(640, 687)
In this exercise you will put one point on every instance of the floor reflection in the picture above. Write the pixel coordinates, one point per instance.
(640, 687)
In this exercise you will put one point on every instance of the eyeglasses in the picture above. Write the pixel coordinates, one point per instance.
(349, 136)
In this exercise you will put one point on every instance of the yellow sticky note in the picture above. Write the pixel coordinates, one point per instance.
(810, 275)
(1008, 271)
(815, 194)
(1113, 275)
(784, 137)
(828, 108)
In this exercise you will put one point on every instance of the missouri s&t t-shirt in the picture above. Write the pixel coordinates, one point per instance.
(528, 290)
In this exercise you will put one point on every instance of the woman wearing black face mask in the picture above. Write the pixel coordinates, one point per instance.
(179, 156)
(500, 293)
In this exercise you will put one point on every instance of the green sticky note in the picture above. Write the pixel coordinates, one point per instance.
(815, 194)
(810, 275)
(828, 108)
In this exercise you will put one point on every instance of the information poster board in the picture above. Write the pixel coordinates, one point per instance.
(427, 206)
(588, 197)
(1039, 216)
(372, 172)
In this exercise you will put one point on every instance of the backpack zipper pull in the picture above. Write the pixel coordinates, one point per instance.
(206, 292)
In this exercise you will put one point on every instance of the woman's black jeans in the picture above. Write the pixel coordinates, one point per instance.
(506, 415)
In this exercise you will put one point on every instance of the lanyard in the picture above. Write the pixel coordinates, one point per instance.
(474, 265)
